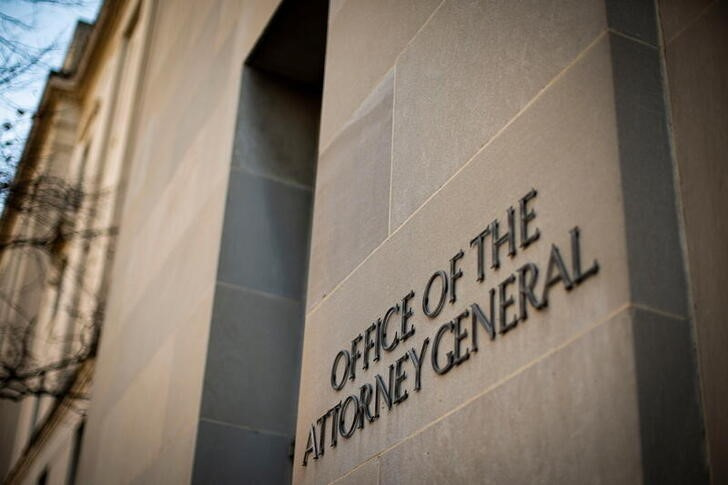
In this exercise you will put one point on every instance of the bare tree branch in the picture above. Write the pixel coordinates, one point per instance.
(60, 214)
(45, 219)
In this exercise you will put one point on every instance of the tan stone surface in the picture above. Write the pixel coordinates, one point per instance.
(565, 146)
(121, 449)
(148, 421)
(698, 84)
(469, 71)
(364, 39)
(366, 474)
(334, 7)
(571, 418)
(351, 207)
(149, 374)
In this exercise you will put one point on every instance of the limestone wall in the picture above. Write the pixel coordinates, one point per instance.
(438, 118)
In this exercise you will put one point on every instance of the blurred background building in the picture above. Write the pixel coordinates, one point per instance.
(216, 198)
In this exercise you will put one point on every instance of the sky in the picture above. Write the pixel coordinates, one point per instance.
(44, 24)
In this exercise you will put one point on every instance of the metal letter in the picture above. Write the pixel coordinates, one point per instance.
(348, 433)
(355, 354)
(366, 393)
(311, 446)
(503, 303)
(460, 334)
(525, 290)
(497, 241)
(488, 323)
(406, 315)
(418, 361)
(383, 329)
(339, 386)
(455, 274)
(479, 241)
(426, 296)
(384, 389)
(555, 262)
(526, 217)
(580, 276)
(369, 344)
(436, 347)
(399, 376)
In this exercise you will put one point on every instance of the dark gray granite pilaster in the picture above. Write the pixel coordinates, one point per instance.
(250, 388)
(228, 454)
(671, 429)
(671, 424)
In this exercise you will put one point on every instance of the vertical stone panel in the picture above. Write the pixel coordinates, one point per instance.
(251, 376)
(634, 18)
(671, 424)
(256, 341)
(671, 431)
(274, 127)
(364, 39)
(225, 454)
(268, 219)
(657, 274)
(351, 209)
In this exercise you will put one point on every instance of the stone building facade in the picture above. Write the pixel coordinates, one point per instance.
(405, 242)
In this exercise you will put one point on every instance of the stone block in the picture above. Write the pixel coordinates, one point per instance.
(655, 262)
(351, 209)
(364, 39)
(470, 70)
(269, 220)
(570, 418)
(671, 428)
(635, 18)
(276, 129)
(225, 454)
(251, 375)
(366, 474)
(618, 405)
